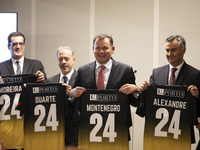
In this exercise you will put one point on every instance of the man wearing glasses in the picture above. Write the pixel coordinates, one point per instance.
(18, 64)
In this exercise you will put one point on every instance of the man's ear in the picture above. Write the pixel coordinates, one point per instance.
(8, 46)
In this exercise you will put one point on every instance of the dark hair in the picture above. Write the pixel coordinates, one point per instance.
(179, 38)
(15, 34)
(103, 36)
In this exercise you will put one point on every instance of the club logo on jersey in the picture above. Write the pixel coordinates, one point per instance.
(103, 97)
(45, 89)
(171, 93)
(13, 80)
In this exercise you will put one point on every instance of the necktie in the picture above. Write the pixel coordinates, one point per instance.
(100, 83)
(65, 79)
(18, 67)
(172, 77)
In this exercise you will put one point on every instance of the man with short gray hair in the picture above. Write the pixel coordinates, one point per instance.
(66, 59)
(177, 72)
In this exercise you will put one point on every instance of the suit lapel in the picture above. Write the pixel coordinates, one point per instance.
(182, 74)
(72, 80)
(91, 75)
(164, 74)
(57, 78)
(113, 75)
(26, 64)
(10, 67)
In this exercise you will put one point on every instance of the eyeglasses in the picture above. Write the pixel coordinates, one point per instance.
(16, 44)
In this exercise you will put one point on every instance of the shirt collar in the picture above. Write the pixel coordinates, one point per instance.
(107, 65)
(68, 75)
(178, 67)
(21, 60)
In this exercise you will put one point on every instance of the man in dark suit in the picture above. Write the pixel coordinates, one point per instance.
(116, 74)
(66, 59)
(185, 74)
(18, 64)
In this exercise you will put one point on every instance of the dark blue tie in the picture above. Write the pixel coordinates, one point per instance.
(65, 79)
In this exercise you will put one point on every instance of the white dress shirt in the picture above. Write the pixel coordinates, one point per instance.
(21, 63)
(68, 77)
(176, 72)
(107, 70)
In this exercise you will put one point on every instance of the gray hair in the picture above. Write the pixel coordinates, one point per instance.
(180, 40)
(67, 48)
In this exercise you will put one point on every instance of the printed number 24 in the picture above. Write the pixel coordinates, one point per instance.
(51, 119)
(109, 130)
(5, 99)
(174, 125)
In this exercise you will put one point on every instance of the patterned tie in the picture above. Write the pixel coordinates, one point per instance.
(172, 77)
(65, 79)
(100, 83)
(18, 67)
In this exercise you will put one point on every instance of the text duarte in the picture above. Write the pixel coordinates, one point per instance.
(45, 99)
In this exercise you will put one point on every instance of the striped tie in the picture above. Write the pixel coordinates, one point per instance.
(18, 67)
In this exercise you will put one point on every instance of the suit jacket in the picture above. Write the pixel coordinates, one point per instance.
(120, 74)
(71, 130)
(56, 78)
(30, 66)
(188, 75)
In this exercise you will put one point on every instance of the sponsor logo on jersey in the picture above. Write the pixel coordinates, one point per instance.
(45, 89)
(13, 80)
(103, 97)
(171, 93)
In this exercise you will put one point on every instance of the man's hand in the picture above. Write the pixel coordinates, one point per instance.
(40, 77)
(194, 90)
(2, 146)
(128, 89)
(144, 86)
(68, 88)
(198, 126)
(1, 79)
(77, 91)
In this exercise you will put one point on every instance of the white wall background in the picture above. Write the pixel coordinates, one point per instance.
(138, 27)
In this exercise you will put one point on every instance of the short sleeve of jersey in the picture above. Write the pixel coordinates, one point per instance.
(170, 113)
(105, 119)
